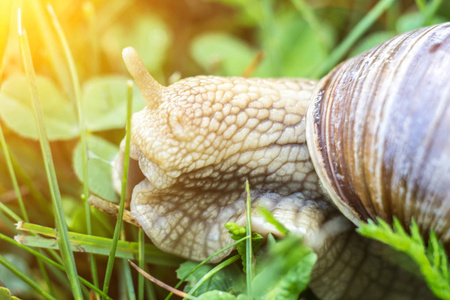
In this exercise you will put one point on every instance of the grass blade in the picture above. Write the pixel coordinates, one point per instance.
(268, 29)
(339, 52)
(271, 219)
(12, 175)
(205, 261)
(310, 17)
(126, 164)
(141, 263)
(49, 261)
(141, 282)
(94, 244)
(5, 19)
(102, 246)
(63, 239)
(248, 249)
(15, 184)
(50, 44)
(128, 279)
(213, 271)
(431, 11)
(38, 197)
(91, 18)
(9, 212)
(82, 126)
(4, 220)
(18, 220)
(421, 5)
(25, 278)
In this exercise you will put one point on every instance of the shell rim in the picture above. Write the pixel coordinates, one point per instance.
(312, 141)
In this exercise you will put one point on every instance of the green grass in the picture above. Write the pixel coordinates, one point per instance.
(77, 46)
(343, 48)
(93, 244)
(432, 260)
(82, 125)
(63, 238)
(248, 245)
(48, 261)
(119, 222)
(26, 278)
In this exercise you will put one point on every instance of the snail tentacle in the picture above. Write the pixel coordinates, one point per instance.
(150, 88)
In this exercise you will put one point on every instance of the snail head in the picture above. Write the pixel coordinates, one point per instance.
(198, 140)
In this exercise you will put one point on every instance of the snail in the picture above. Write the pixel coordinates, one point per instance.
(370, 139)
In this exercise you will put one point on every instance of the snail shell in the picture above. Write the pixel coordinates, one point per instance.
(378, 132)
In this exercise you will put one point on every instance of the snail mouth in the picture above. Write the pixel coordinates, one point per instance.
(135, 174)
(141, 170)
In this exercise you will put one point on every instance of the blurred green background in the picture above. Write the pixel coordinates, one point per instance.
(176, 39)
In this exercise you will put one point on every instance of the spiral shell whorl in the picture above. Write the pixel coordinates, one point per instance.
(387, 153)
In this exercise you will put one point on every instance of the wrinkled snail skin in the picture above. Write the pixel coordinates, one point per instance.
(202, 140)
(198, 140)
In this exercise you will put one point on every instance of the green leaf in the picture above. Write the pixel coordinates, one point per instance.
(216, 295)
(414, 20)
(10, 280)
(238, 232)
(224, 280)
(101, 154)
(76, 218)
(238, 284)
(104, 101)
(299, 46)
(25, 278)
(5, 294)
(222, 53)
(287, 270)
(432, 262)
(410, 21)
(147, 33)
(248, 12)
(17, 112)
(73, 212)
(229, 261)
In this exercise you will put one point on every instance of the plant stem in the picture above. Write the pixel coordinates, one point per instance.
(213, 271)
(48, 261)
(352, 37)
(126, 164)
(63, 238)
(82, 125)
(248, 246)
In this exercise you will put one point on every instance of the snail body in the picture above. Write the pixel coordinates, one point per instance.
(306, 147)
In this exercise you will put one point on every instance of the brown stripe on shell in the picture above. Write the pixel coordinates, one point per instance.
(381, 126)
